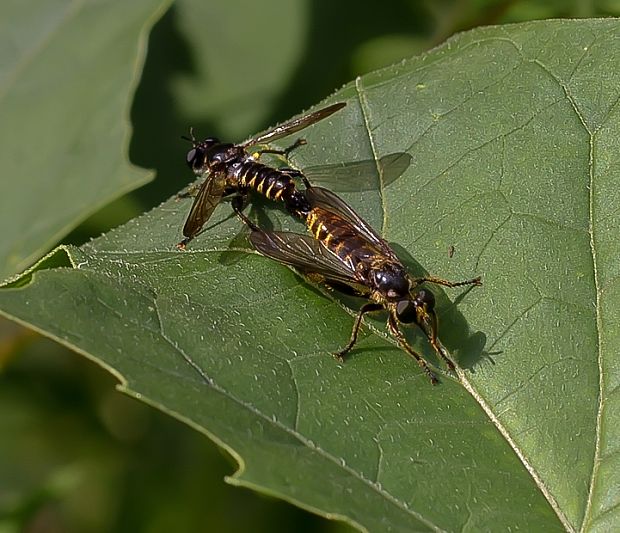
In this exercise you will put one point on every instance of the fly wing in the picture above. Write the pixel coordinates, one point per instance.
(358, 176)
(320, 197)
(206, 201)
(294, 125)
(304, 253)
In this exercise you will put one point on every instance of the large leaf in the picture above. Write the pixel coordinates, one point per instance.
(66, 71)
(227, 81)
(513, 134)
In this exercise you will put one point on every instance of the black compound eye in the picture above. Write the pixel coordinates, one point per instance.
(191, 155)
(407, 311)
(196, 159)
(426, 299)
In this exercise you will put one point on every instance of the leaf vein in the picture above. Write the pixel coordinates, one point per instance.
(335, 460)
(365, 112)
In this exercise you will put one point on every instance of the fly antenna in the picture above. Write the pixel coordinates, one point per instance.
(191, 137)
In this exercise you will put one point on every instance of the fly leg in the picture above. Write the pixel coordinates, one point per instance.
(305, 181)
(285, 152)
(238, 202)
(434, 341)
(393, 327)
(293, 173)
(438, 281)
(443, 354)
(369, 307)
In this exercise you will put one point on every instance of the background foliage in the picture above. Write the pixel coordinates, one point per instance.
(239, 78)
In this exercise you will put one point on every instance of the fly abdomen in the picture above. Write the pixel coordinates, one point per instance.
(267, 181)
(277, 185)
(339, 237)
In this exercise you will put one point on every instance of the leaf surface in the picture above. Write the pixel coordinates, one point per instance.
(66, 70)
(513, 135)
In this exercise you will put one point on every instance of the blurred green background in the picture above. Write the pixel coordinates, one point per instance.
(79, 456)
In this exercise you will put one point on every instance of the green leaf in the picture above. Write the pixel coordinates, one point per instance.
(67, 72)
(227, 101)
(513, 134)
(225, 82)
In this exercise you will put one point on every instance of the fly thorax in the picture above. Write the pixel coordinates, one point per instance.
(222, 154)
(391, 280)
(296, 202)
(236, 171)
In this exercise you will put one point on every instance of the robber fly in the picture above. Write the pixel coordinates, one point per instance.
(231, 169)
(345, 253)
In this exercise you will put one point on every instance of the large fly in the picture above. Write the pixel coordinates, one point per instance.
(345, 253)
(230, 169)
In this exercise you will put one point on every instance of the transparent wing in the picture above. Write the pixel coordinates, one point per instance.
(294, 125)
(320, 197)
(206, 201)
(359, 175)
(303, 253)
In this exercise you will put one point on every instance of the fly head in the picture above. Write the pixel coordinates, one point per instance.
(198, 157)
(418, 309)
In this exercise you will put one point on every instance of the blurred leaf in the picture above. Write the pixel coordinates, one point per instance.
(224, 82)
(513, 134)
(386, 49)
(229, 55)
(65, 466)
(67, 72)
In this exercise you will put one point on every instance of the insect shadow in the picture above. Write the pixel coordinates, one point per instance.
(454, 330)
(364, 175)
(353, 176)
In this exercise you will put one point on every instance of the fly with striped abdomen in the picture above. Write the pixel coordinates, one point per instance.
(346, 253)
(230, 169)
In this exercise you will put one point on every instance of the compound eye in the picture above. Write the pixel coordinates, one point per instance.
(407, 311)
(196, 160)
(425, 299)
(191, 155)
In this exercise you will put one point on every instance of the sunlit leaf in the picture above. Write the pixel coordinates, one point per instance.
(513, 135)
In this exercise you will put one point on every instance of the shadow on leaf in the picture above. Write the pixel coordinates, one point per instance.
(454, 331)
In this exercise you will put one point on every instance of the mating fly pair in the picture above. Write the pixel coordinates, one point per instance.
(231, 170)
(344, 253)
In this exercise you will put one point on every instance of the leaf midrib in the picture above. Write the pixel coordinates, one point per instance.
(468, 385)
